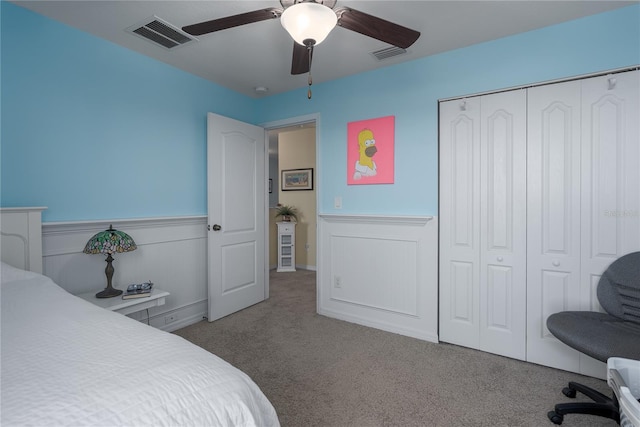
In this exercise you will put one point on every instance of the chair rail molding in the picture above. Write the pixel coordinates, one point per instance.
(377, 219)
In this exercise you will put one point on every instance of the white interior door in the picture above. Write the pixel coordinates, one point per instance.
(503, 223)
(610, 173)
(483, 226)
(553, 217)
(557, 182)
(236, 180)
(610, 182)
(460, 223)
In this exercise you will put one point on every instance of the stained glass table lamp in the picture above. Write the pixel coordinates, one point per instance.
(108, 242)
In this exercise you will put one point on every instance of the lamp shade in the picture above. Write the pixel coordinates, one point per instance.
(109, 242)
(307, 22)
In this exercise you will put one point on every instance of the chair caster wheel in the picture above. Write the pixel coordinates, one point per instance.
(555, 418)
(569, 392)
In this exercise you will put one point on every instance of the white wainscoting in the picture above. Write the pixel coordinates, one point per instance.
(380, 271)
(172, 253)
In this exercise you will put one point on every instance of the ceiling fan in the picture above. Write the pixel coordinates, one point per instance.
(309, 22)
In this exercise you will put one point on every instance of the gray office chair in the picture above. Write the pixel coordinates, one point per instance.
(615, 333)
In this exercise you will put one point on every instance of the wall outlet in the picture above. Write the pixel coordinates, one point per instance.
(337, 282)
(170, 319)
(307, 246)
(337, 202)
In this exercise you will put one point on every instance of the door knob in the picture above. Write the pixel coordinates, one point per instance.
(556, 263)
(216, 227)
(500, 259)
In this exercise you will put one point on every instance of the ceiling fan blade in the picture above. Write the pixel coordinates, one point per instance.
(232, 21)
(300, 63)
(377, 28)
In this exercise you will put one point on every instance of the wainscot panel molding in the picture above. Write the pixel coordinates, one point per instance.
(172, 253)
(380, 271)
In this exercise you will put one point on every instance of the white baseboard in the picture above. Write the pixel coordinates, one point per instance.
(180, 317)
(298, 267)
(384, 326)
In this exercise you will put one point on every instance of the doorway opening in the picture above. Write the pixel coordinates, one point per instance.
(292, 148)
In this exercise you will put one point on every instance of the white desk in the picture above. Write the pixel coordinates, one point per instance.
(127, 306)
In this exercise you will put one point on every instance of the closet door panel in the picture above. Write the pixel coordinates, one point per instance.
(553, 217)
(610, 173)
(503, 223)
(610, 181)
(499, 288)
(460, 230)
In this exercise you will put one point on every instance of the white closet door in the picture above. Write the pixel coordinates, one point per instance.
(503, 165)
(610, 181)
(553, 217)
(460, 225)
(535, 212)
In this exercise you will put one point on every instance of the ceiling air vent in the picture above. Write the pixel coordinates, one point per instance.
(161, 33)
(388, 52)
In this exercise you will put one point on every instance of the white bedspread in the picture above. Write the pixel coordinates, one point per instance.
(66, 362)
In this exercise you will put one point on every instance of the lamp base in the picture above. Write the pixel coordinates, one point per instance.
(109, 293)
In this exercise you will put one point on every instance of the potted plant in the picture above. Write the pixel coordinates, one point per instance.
(287, 212)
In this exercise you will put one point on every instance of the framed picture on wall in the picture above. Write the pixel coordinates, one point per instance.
(370, 151)
(297, 179)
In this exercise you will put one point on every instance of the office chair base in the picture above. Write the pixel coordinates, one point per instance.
(602, 406)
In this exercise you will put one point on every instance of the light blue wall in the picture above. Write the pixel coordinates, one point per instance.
(93, 130)
(410, 92)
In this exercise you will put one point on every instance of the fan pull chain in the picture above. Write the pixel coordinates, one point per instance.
(309, 80)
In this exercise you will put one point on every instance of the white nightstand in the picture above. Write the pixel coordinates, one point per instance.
(127, 306)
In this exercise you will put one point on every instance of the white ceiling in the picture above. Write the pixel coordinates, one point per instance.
(259, 54)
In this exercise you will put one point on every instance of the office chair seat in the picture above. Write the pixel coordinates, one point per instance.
(596, 334)
(615, 333)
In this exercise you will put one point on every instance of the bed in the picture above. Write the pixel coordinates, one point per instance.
(66, 361)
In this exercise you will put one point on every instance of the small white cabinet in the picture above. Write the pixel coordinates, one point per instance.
(286, 246)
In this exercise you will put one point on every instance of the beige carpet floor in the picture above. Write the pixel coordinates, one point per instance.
(319, 371)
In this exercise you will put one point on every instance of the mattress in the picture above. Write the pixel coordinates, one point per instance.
(66, 362)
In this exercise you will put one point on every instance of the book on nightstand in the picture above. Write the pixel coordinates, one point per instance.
(140, 290)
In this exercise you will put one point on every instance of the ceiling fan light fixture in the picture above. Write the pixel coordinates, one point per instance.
(308, 22)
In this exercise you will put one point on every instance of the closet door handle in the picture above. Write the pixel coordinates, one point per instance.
(216, 227)
(556, 263)
(500, 259)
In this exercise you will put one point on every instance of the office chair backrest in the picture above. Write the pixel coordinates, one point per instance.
(619, 288)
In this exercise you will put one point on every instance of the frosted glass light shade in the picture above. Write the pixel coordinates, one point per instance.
(308, 21)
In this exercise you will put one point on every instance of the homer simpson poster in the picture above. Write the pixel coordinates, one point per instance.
(370, 151)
